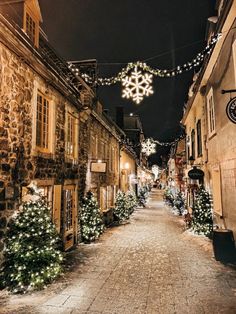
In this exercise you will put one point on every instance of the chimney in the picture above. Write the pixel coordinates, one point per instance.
(120, 117)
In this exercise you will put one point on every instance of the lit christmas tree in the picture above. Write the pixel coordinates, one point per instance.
(168, 197)
(121, 211)
(179, 203)
(131, 201)
(202, 222)
(142, 196)
(91, 219)
(31, 256)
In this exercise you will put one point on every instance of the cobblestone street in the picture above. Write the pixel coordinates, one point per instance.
(149, 265)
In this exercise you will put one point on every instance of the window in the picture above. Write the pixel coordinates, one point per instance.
(199, 138)
(193, 143)
(71, 136)
(69, 208)
(69, 216)
(46, 191)
(94, 146)
(42, 123)
(30, 28)
(110, 158)
(216, 184)
(187, 145)
(234, 59)
(211, 113)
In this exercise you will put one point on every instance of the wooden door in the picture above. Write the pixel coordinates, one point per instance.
(69, 216)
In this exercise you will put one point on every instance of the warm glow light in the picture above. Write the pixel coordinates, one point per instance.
(137, 85)
(148, 147)
(126, 165)
(155, 171)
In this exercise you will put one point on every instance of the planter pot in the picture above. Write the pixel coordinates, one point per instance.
(223, 245)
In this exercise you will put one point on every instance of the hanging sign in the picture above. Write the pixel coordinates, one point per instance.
(231, 110)
(195, 173)
(98, 167)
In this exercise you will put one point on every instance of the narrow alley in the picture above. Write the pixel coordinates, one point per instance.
(146, 266)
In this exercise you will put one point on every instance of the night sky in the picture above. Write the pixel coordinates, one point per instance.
(164, 34)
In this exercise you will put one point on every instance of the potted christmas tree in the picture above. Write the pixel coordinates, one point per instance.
(91, 219)
(202, 222)
(32, 258)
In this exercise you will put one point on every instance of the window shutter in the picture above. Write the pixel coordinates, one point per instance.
(57, 207)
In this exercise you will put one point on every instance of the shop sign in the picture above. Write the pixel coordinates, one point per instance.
(195, 173)
(231, 110)
(98, 166)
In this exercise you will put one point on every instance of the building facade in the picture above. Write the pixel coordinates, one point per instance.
(40, 115)
(103, 158)
(209, 120)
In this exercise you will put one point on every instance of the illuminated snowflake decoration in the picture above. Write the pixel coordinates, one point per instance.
(137, 85)
(148, 147)
(155, 171)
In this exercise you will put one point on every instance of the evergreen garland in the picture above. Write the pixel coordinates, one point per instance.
(91, 219)
(31, 256)
(202, 222)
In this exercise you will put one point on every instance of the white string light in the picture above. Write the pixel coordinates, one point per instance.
(137, 85)
(154, 71)
(155, 171)
(148, 147)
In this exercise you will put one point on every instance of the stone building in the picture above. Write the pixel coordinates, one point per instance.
(128, 169)
(42, 121)
(132, 126)
(176, 165)
(210, 117)
(109, 157)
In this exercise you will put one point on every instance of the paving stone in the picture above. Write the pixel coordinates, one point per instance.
(148, 266)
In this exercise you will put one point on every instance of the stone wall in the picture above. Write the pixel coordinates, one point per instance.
(19, 163)
(16, 167)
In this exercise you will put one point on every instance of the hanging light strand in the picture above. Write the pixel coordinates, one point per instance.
(195, 62)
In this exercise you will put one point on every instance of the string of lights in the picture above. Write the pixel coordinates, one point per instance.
(146, 68)
(148, 146)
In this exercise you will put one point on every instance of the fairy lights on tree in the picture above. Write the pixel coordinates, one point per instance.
(32, 257)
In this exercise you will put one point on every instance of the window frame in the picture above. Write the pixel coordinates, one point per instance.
(40, 147)
(234, 59)
(199, 138)
(35, 39)
(193, 152)
(211, 114)
(74, 136)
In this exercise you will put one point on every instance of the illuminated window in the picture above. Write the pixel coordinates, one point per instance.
(211, 114)
(94, 145)
(70, 136)
(46, 191)
(42, 123)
